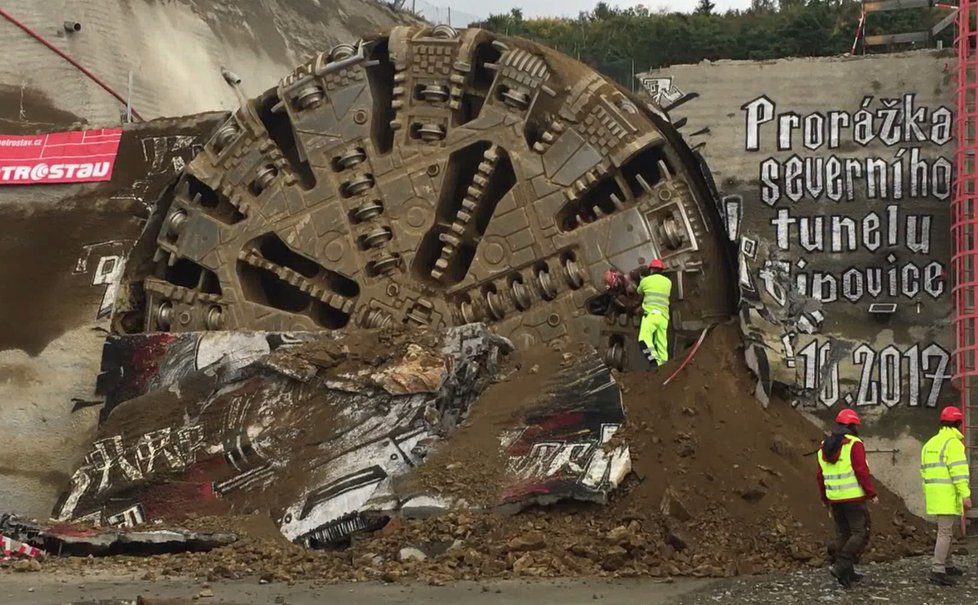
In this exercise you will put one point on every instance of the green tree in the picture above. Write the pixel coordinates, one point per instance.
(619, 41)
(705, 7)
(602, 11)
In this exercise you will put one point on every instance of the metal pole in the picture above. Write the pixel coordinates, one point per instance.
(129, 100)
(581, 20)
(449, 16)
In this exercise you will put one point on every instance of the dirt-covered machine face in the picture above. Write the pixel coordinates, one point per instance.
(431, 177)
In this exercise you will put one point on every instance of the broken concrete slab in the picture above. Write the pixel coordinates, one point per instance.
(565, 448)
(536, 437)
(70, 541)
(411, 554)
(76, 540)
(19, 528)
(313, 428)
(672, 506)
(212, 423)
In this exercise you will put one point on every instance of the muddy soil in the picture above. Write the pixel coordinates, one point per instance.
(745, 474)
(472, 466)
(721, 487)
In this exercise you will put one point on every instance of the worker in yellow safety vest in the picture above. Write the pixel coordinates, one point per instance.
(653, 333)
(944, 470)
(845, 485)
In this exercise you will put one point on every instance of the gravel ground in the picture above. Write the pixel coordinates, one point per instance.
(46, 588)
(902, 582)
(899, 583)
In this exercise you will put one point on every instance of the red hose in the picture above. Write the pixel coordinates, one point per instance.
(67, 58)
(689, 356)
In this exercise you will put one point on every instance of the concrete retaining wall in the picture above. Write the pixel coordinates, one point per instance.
(175, 51)
(62, 248)
(836, 182)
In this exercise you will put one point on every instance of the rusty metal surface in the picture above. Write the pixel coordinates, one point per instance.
(431, 177)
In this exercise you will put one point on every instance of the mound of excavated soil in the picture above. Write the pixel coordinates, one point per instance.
(721, 487)
(739, 470)
(472, 466)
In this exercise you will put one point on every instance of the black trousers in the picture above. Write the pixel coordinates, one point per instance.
(852, 528)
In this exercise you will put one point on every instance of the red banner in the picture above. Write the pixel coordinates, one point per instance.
(82, 156)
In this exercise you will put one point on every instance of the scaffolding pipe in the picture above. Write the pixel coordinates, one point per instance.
(859, 31)
(964, 227)
(66, 57)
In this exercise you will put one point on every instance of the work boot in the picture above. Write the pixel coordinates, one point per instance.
(953, 571)
(841, 573)
(940, 579)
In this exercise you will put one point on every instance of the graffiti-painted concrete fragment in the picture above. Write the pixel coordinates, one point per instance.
(560, 445)
(72, 541)
(565, 449)
(307, 427)
(22, 538)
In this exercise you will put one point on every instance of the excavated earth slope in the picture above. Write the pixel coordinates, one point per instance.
(720, 487)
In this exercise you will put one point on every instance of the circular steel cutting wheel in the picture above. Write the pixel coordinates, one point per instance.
(472, 176)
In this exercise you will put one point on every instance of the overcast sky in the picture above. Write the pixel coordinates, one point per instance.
(570, 8)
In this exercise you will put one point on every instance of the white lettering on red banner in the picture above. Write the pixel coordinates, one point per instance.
(82, 156)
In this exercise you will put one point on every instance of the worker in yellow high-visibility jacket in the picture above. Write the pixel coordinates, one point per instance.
(653, 333)
(944, 470)
(845, 484)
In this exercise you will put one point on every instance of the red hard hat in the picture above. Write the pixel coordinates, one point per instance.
(657, 264)
(848, 416)
(612, 278)
(951, 414)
